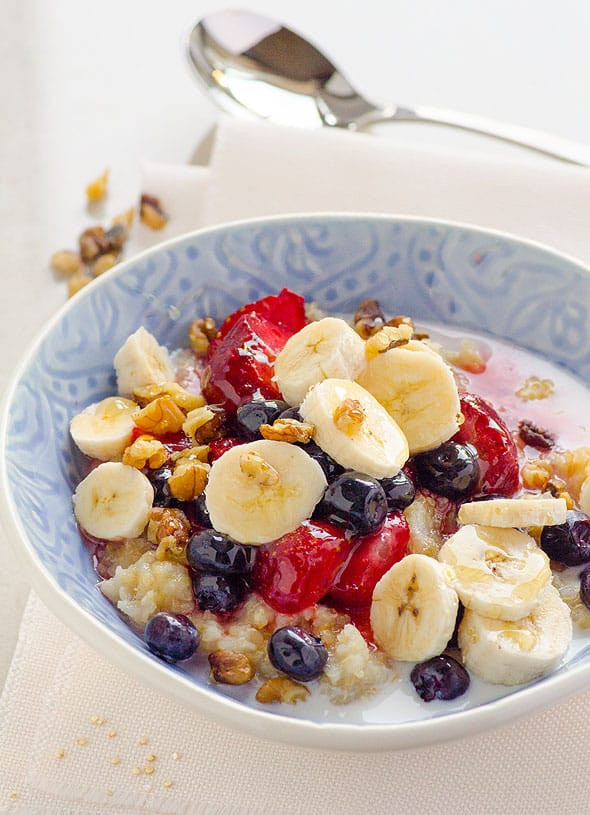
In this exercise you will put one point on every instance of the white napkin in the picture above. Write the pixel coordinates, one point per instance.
(76, 735)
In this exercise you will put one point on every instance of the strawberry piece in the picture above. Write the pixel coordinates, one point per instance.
(218, 447)
(242, 367)
(297, 570)
(286, 309)
(496, 449)
(372, 556)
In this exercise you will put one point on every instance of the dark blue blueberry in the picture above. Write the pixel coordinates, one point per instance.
(451, 470)
(213, 552)
(218, 592)
(585, 587)
(355, 501)
(297, 653)
(328, 465)
(439, 678)
(568, 543)
(202, 516)
(250, 416)
(291, 413)
(162, 496)
(399, 491)
(172, 637)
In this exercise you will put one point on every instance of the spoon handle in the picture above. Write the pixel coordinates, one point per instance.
(546, 143)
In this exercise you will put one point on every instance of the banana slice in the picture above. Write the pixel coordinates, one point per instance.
(498, 573)
(114, 501)
(509, 653)
(353, 428)
(259, 491)
(103, 430)
(514, 512)
(327, 348)
(414, 609)
(140, 362)
(418, 389)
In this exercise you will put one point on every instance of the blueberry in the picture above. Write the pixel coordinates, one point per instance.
(291, 413)
(568, 543)
(451, 470)
(218, 592)
(399, 491)
(172, 637)
(328, 465)
(162, 496)
(215, 553)
(251, 415)
(439, 678)
(202, 516)
(354, 500)
(297, 653)
(585, 587)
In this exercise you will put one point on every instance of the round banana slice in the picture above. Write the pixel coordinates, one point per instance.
(327, 348)
(259, 491)
(114, 501)
(352, 427)
(509, 653)
(140, 362)
(514, 512)
(414, 609)
(418, 389)
(103, 430)
(498, 573)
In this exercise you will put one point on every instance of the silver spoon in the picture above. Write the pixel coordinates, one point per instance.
(253, 63)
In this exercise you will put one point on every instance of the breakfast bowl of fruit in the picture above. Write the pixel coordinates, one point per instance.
(324, 478)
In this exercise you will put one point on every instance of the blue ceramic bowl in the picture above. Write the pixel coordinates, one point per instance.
(436, 272)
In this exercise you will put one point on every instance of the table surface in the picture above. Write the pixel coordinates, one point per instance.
(87, 86)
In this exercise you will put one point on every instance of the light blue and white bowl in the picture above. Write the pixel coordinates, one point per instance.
(437, 272)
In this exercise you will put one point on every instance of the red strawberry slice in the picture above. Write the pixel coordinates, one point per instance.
(372, 556)
(218, 447)
(285, 309)
(496, 449)
(297, 570)
(242, 367)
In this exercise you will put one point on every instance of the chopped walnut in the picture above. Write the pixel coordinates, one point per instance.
(172, 550)
(97, 188)
(198, 453)
(65, 262)
(115, 238)
(389, 337)
(400, 319)
(349, 416)
(230, 667)
(151, 213)
(468, 357)
(536, 474)
(254, 466)
(535, 388)
(168, 522)
(125, 218)
(77, 281)
(92, 243)
(204, 423)
(200, 334)
(281, 689)
(289, 430)
(368, 318)
(160, 416)
(103, 263)
(535, 436)
(145, 452)
(188, 480)
(185, 400)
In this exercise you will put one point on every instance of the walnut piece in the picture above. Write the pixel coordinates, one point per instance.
(289, 430)
(389, 337)
(171, 550)
(535, 436)
(185, 400)
(145, 451)
(103, 263)
(349, 416)
(198, 453)
(125, 218)
(536, 474)
(160, 416)
(254, 466)
(77, 281)
(468, 357)
(97, 188)
(188, 480)
(368, 318)
(535, 388)
(151, 213)
(281, 689)
(92, 243)
(200, 334)
(230, 667)
(168, 522)
(65, 262)
(204, 423)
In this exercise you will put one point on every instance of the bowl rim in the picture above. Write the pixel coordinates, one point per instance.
(225, 710)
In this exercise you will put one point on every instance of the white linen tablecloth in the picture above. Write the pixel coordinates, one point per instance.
(77, 736)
